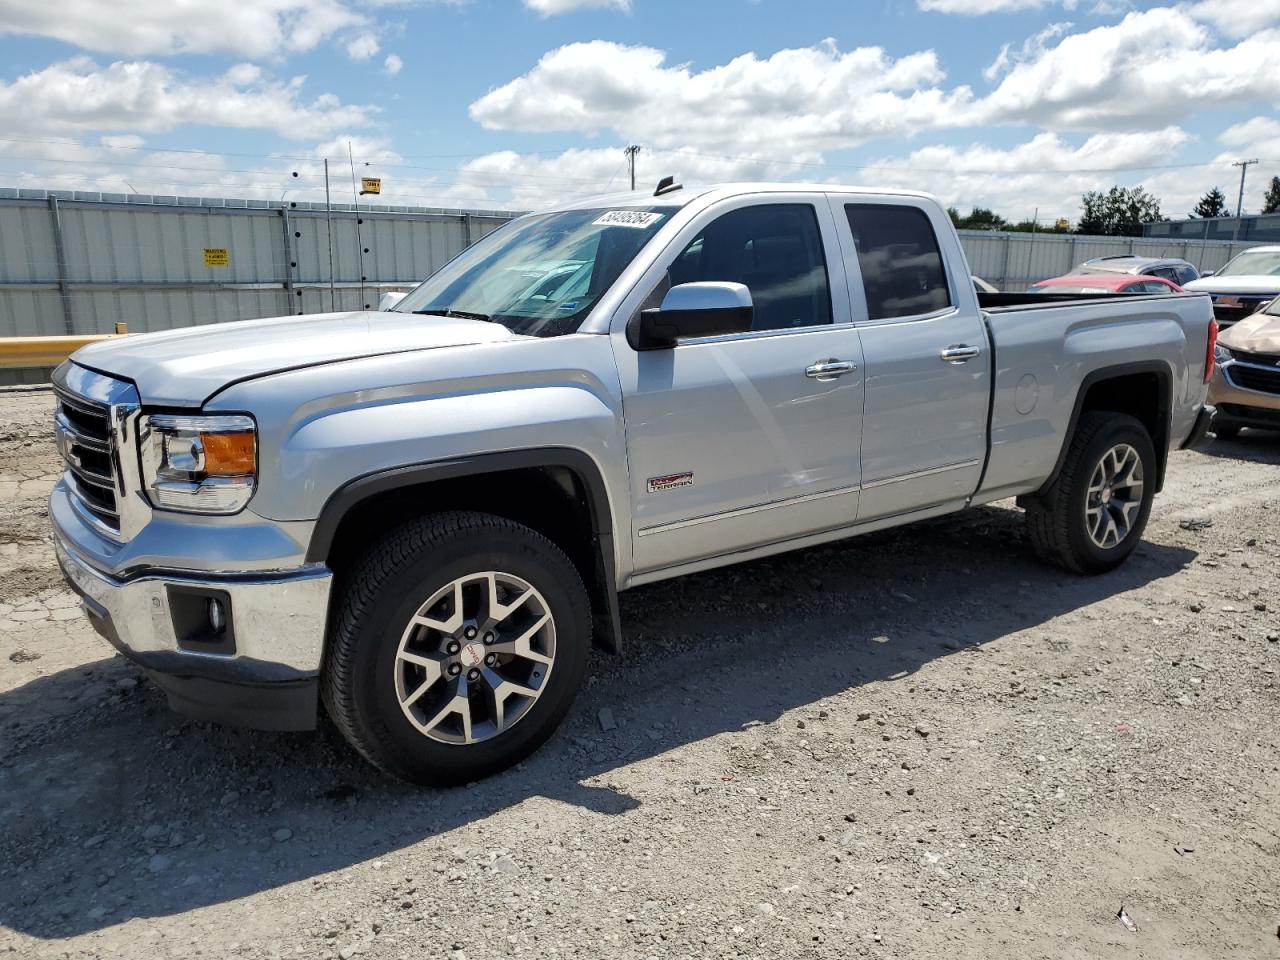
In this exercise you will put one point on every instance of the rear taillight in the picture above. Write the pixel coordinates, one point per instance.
(1210, 356)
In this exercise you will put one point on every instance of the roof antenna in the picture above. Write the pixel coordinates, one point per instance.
(667, 185)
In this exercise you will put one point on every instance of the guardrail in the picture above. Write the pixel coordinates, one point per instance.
(39, 352)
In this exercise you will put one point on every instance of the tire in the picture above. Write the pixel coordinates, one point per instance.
(1079, 531)
(383, 636)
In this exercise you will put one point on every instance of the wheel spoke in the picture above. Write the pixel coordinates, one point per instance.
(451, 625)
(521, 646)
(459, 704)
(502, 689)
(499, 611)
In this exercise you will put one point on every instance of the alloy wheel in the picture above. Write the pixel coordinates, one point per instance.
(475, 657)
(1114, 498)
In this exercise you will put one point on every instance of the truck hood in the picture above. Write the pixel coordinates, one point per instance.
(1259, 333)
(1241, 284)
(185, 367)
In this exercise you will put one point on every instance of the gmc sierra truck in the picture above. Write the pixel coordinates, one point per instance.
(422, 518)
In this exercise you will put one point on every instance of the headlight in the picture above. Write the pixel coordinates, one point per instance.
(199, 464)
(1221, 353)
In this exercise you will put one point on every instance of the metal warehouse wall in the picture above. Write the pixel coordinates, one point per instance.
(80, 263)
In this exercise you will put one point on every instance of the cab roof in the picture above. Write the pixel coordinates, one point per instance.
(683, 196)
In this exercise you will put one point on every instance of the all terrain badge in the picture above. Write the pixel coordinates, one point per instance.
(671, 481)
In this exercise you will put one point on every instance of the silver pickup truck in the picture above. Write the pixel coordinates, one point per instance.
(423, 517)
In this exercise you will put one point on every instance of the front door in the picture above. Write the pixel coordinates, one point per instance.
(742, 440)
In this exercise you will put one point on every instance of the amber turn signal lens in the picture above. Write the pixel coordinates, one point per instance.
(228, 454)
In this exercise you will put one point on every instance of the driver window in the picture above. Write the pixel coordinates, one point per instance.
(776, 251)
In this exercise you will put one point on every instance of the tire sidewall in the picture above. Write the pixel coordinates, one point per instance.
(400, 595)
(1123, 429)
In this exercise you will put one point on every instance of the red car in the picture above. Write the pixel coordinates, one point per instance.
(1102, 283)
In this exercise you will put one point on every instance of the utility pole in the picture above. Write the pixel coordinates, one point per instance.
(1244, 168)
(328, 207)
(631, 152)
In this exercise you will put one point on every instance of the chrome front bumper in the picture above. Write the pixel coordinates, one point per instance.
(1242, 406)
(261, 672)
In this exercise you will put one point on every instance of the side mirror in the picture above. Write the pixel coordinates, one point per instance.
(692, 310)
(390, 299)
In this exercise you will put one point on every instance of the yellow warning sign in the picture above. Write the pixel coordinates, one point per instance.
(370, 185)
(216, 257)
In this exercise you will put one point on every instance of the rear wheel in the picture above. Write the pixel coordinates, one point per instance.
(458, 648)
(1093, 516)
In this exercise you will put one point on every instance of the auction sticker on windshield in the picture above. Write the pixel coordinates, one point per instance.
(637, 219)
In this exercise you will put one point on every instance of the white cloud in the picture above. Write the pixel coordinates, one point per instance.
(1046, 171)
(802, 98)
(551, 8)
(1143, 71)
(1237, 18)
(1032, 47)
(258, 29)
(392, 65)
(973, 8)
(362, 46)
(143, 97)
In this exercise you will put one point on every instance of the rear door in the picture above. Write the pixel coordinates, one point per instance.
(741, 440)
(927, 363)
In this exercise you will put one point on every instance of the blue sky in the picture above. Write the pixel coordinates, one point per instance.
(1016, 104)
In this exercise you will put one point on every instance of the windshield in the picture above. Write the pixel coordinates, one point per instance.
(539, 275)
(1253, 264)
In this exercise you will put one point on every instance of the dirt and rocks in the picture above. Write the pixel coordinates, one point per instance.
(919, 744)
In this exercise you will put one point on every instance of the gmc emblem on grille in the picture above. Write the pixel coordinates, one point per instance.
(66, 450)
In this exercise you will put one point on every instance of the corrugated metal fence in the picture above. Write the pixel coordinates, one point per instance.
(76, 263)
(1013, 261)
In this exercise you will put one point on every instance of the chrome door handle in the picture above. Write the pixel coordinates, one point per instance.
(829, 369)
(958, 353)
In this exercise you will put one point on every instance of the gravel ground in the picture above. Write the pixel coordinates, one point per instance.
(918, 744)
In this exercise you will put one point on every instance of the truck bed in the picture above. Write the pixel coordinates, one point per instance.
(1005, 301)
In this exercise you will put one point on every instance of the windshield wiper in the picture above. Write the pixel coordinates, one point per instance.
(461, 314)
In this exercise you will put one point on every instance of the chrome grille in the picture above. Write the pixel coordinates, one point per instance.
(90, 423)
(1253, 377)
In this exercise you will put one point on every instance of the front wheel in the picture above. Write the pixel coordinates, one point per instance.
(1093, 516)
(458, 647)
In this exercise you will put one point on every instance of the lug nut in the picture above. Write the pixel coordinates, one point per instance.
(490, 660)
(490, 637)
(454, 669)
(452, 647)
(470, 633)
(473, 674)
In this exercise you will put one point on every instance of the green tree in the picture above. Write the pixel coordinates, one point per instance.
(1212, 204)
(1120, 212)
(979, 218)
(1271, 203)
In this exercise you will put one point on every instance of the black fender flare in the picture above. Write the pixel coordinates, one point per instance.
(1164, 413)
(608, 627)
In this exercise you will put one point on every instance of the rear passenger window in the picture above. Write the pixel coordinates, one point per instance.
(776, 251)
(902, 270)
